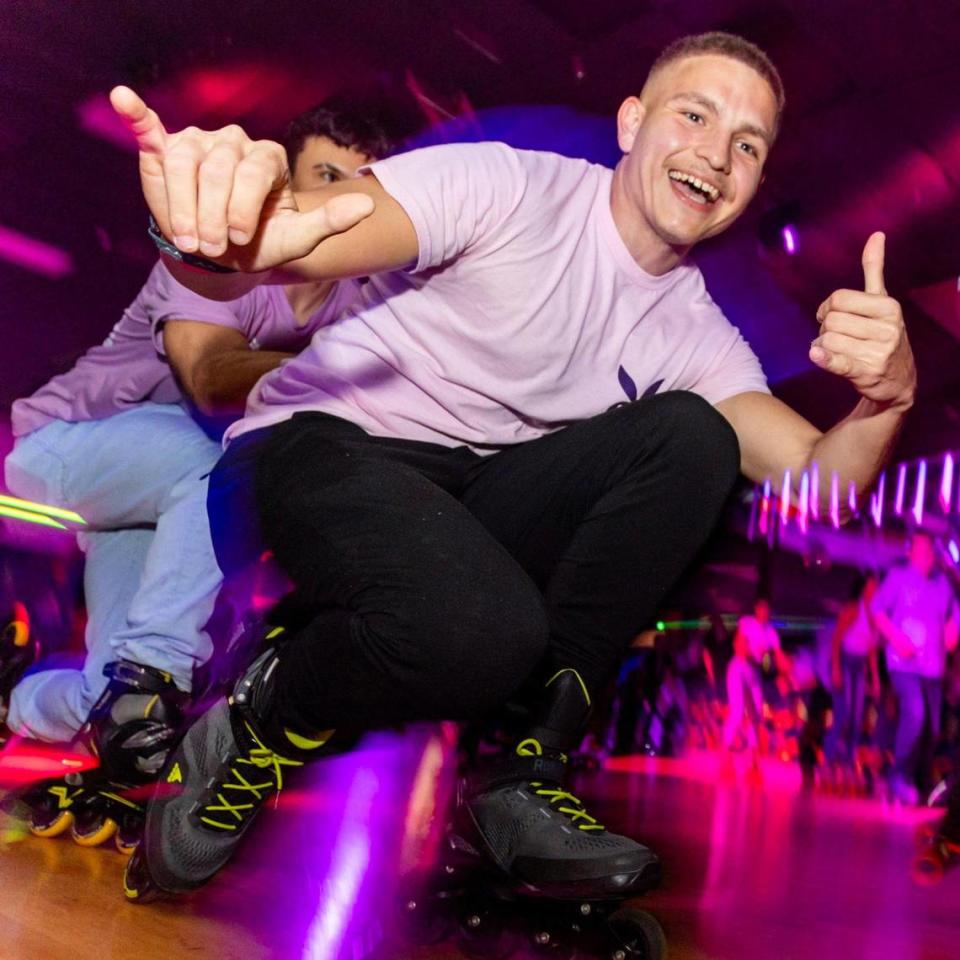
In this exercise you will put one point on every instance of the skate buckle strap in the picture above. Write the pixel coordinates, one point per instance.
(260, 757)
(555, 797)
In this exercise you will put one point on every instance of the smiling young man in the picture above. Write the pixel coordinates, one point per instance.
(494, 465)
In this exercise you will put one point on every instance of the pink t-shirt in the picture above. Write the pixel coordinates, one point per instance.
(130, 367)
(523, 313)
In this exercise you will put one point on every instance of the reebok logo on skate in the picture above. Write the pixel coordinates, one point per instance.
(175, 776)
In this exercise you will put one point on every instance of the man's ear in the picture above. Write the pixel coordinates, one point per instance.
(630, 118)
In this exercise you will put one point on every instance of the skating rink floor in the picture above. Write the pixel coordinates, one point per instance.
(754, 871)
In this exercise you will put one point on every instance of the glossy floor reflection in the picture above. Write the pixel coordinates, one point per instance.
(755, 871)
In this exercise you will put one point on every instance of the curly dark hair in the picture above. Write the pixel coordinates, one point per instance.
(365, 125)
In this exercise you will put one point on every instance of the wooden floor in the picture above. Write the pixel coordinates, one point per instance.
(761, 872)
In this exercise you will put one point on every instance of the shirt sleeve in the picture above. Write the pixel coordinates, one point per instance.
(454, 194)
(732, 366)
(165, 299)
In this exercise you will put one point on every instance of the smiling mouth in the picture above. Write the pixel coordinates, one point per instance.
(699, 191)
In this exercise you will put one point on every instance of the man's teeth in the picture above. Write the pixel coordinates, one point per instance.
(707, 189)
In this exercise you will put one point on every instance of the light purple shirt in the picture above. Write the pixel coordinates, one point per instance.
(523, 313)
(920, 606)
(130, 366)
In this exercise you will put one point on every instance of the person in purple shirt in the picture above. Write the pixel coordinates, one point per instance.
(486, 474)
(117, 439)
(916, 612)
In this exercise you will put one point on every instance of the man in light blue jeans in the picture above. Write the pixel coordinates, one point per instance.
(115, 439)
(917, 615)
(139, 479)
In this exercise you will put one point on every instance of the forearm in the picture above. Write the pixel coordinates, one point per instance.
(222, 383)
(213, 286)
(856, 449)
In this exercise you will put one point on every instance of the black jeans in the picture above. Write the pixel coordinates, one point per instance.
(436, 579)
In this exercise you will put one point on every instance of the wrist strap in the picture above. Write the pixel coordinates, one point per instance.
(190, 259)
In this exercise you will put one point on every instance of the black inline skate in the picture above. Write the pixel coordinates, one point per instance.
(216, 781)
(938, 845)
(523, 861)
(130, 731)
(19, 650)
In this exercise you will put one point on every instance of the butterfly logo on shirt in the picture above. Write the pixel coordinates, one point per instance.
(630, 389)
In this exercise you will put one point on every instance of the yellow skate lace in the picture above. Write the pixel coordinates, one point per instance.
(261, 758)
(533, 748)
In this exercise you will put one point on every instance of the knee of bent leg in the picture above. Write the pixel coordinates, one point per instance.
(701, 433)
(474, 650)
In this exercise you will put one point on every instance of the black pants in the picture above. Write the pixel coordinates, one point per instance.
(436, 579)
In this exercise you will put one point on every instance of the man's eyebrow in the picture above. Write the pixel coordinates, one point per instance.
(711, 105)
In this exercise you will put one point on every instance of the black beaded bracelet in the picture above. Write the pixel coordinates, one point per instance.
(190, 259)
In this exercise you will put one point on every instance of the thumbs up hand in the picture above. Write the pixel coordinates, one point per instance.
(863, 338)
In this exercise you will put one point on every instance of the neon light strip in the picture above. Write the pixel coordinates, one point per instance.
(852, 497)
(41, 508)
(901, 490)
(815, 491)
(946, 483)
(30, 517)
(835, 499)
(920, 492)
(34, 255)
(876, 500)
(765, 507)
(785, 498)
(804, 501)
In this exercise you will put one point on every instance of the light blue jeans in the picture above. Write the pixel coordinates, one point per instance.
(139, 479)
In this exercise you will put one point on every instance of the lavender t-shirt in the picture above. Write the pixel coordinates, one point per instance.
(523, 313)
(130, 367)
(920, 606)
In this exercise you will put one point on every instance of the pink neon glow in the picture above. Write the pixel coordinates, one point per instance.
(785, 498)
(815, 491)
(901, 490)
(348, 866)
(946, 483)
(920, 492)
(852, 497)
(954, 551)
(804, 501)
(34, 255)
(98, 118)
(790, 239)
(835, 499)
(876, 500)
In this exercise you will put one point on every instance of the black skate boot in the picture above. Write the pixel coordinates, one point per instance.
(130, 731)
(19, 650)
(537, 833)
(213, 786)
(938, 845)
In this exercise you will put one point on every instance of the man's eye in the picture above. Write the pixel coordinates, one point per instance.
(328, 176)
(695, 117)
(748, 148)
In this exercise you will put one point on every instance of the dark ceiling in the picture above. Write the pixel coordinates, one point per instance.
(871, 141)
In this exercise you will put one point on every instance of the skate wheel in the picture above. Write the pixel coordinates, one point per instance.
(419, 915)
(928, 870)
(61, 823)
(94, 834)
(481, 936)
(635, 935)
(138, 886)
(125, 843)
